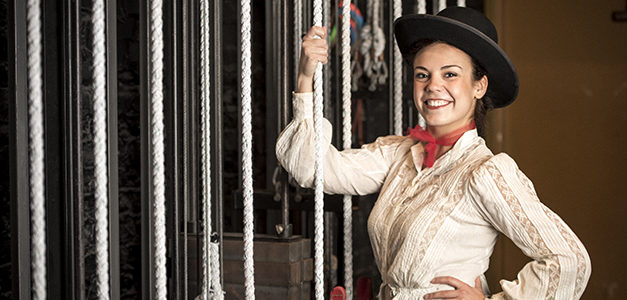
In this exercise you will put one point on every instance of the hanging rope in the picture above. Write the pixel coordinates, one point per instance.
(372, 47)
(441, 6)
(422, 7)
(205, 147)
(247, 173)
(157, 139)
(298, 30)
(461, 3)
(99, 73)
(319, 188)
(218, 294)
(398, 77)
(36, 144)
(347, 140)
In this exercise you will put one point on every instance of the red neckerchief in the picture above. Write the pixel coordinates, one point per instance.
(419, 134)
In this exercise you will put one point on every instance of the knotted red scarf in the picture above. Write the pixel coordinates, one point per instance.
(419, 134)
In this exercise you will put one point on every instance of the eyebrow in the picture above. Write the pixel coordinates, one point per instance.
(442, 68)
(451, 66)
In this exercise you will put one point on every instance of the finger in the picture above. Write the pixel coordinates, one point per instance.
(452, 281)
(317, 43)
(316, 51)
(321, 58)
(478, 284)
(315, 32)
(442, 295)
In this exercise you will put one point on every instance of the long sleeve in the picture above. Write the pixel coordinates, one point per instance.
(354, 171)
(560, 268)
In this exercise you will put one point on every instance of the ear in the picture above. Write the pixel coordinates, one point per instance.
(481, 87)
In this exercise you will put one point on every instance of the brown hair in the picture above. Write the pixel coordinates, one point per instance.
(483, 105)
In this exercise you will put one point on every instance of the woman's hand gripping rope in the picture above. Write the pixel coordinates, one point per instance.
(315, 49)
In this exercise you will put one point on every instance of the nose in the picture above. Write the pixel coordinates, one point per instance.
(434, 84)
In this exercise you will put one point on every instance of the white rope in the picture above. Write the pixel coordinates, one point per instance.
(422, 7)
(461, 3)
(36, 145)
(158, 160)
(319, 188)
(372, 47)
(347, 139)
(398, 77)
(99, 73)
(441, 6)
(218, 294)
(247, 174)
(298, 30)
(205, 147)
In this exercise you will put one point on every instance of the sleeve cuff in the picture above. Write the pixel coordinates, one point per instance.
(303, 105)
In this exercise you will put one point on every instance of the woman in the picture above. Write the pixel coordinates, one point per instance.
(443, 195)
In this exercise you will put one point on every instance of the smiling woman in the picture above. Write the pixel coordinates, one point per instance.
(445, 90)
(443, 195)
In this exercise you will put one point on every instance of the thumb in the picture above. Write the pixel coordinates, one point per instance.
(478, 284)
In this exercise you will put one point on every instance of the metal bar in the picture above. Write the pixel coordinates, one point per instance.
(390, 62)
(274, 96)
(147, 234)
(184, 277)
(18, 141)
(177, 250)
(194, 120)
(112, 151)
(284, 113)
(73, 175)
(192, 136)
(216, 117)
(172, 132)
(55, 229)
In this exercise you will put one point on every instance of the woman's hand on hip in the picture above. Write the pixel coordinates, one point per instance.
(462, 290)
(314, 49)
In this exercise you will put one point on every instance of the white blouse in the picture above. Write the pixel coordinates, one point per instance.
(444, 220)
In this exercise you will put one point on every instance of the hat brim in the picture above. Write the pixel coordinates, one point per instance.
(502, 77)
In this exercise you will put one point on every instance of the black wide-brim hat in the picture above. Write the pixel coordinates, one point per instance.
(473, 33)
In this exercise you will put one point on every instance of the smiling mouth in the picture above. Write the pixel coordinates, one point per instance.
(436, 103)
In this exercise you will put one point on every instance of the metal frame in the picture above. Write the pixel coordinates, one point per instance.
(18, 141)
(73, 172)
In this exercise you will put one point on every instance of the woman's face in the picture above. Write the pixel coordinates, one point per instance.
(445, 91)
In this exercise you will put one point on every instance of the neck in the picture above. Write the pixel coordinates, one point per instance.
(440, 131)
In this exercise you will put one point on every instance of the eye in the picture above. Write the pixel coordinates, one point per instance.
(450, 74)
(421, 76)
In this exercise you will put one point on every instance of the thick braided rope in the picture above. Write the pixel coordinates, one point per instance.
(461, 3)
(205, 146)
(319, 188)
(218, 294)
(398, 77)
(346, 138)
(36, 145)
(422, 6)
(298, 30)
(158, 160)
(441, 5)
(247, 173)
(99, 73)
(422, 9)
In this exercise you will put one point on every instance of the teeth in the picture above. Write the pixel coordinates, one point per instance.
(437, 103)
